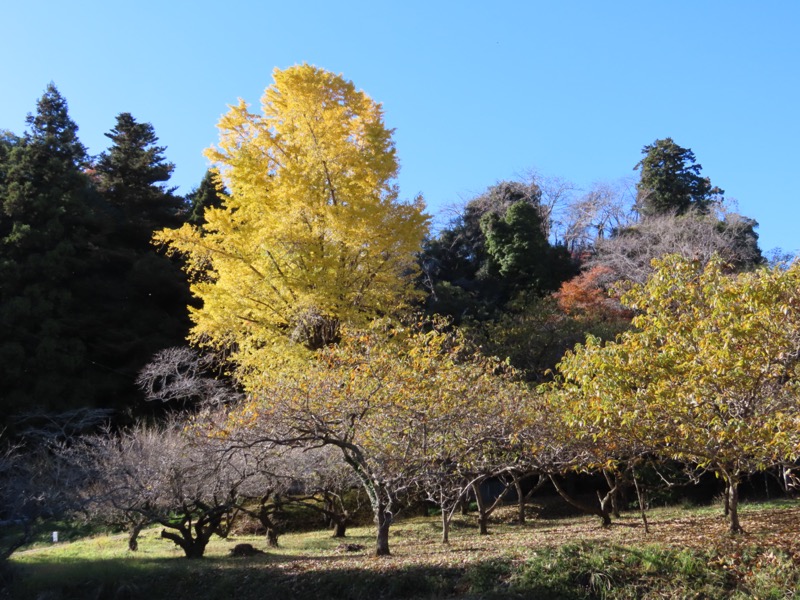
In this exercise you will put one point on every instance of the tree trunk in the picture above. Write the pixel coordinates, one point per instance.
(272, 537)
(520, 501)
(613, 481)
(192, 548)
(733, 507)
(445, 526)
(133, 537)
(384, 521)
(600, 512)
(265, 517)
(464, 505)
(340, 528)
(328, 510)
(483, 513)
(483, 524)
(641, 495)
(381, 507)
(726, 502)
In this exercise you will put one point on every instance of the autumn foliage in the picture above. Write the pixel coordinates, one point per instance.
(707, 376)
(311, 234)
(588, 296)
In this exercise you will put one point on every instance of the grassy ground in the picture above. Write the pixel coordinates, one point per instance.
(686, 555)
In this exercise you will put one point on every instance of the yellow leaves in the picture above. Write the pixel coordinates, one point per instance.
(711, 373)
(311, 234)
(415, 397)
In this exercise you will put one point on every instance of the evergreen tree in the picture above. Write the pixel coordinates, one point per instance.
(518, 251)
(46, 232)
(496, 249)
(7, 142)
(131, 175)
(206, 195)
(671, 182)
(85, 300)
(139, 297)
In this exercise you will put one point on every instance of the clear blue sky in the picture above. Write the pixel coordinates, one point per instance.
(478, 92)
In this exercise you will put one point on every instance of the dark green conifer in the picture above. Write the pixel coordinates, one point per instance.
(47, 228)
(206, 195)
(671, 182)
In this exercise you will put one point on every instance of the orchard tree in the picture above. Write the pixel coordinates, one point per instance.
(326, 484)
(671, 182)
(311, 234)
(708, 375)
(172, 475)
(36, 488)
(391, 407)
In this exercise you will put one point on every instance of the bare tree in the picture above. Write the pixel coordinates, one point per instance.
(596, 215)
(184, 375)
(160, 475)
(693, 235)
(556, 194)
(271, 478)
(326, 484)
(51, 427)
(35, 486)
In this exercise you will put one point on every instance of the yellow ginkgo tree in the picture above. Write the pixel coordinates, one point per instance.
(709, 375)
(311, 233)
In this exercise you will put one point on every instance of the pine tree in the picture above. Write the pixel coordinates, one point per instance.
(131, 175)
(140, 295)
(671, 182)
(45, 247)
(206, 195)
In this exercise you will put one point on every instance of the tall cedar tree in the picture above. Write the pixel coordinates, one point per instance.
(131, 175)
(140, 294)
(671, 182)
(46, 247)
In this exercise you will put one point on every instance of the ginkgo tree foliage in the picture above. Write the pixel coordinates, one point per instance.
(311, 233)
(708, 376)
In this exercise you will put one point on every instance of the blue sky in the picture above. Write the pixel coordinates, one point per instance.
(478, 92)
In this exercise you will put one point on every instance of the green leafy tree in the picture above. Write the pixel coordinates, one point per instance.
(494, 249)
(671, 182)
(519, 253)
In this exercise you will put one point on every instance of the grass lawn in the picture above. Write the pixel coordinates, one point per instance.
(687, 554)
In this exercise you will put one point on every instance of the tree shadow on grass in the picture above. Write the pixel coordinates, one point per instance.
(271, 575)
